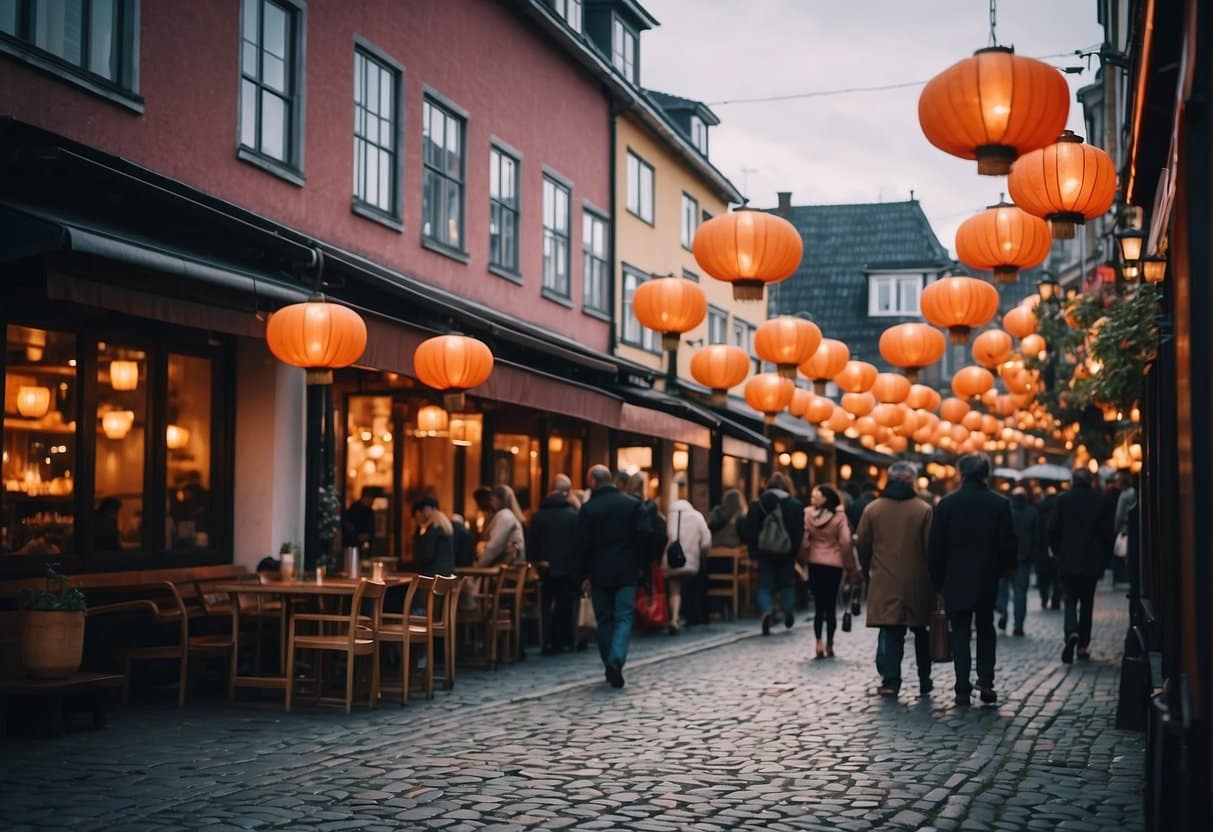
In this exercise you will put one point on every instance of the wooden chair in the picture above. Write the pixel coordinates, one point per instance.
(447, 589)
(531, 604)
(729, 577)
(406, 629)
(495, 617)
(358, 639)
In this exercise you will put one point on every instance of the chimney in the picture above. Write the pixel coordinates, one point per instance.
(785, 202)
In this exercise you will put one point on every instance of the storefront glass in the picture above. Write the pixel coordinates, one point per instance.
(187, 438)
(516, 464)
(121, 440)
(370, 475)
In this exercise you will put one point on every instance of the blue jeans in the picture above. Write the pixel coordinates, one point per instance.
(890, 647)
(1019, 583)
(772, 575)
(614, 608)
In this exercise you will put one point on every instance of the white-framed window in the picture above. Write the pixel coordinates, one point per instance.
(623, 50)
(570, 10)
(892, 295)
(594, 251)
(640, 187)
(718, 326)
(503, 210)
(555, 237)
(699, 134)
(690, 220)
(634, 333)
(376, 129)
(743, 336)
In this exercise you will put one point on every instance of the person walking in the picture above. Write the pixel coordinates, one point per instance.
(685, 527)
(726, 519)
(773, 529)
(554, 541)
(829, 553)
(972, 544)
(612, 535)
(1046, 565)
(892, 541)
(504, 540)
(868, 492)
(1029, 540)
(1080, 532)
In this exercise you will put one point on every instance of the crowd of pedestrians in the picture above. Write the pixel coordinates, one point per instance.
(950, 564)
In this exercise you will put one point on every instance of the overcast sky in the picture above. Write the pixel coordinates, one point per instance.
(858, 147)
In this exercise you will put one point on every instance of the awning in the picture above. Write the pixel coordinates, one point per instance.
(863, 454)
(784, 422)
(743, 450)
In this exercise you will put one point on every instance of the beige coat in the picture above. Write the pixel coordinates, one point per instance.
(892, 539)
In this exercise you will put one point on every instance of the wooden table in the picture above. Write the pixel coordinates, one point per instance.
(288, 590)
(51, 697)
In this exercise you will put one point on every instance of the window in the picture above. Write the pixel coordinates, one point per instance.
(442, 190)
(570, 10)
(640, 187)
(92, 41)
(893, 295)
(699, 134)
(555, 237)
(718, 324)
(633, 333)
(743, 336)
(623, 50)
(594, 249)
(690, 220)
(271, 78)
(690, 275)
(376, 134)
(503, 210)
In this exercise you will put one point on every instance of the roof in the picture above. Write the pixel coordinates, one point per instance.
(843, 244)
(672, 103)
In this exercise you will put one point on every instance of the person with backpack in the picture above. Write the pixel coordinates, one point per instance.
(773, 530)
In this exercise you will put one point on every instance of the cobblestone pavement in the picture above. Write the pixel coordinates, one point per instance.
(715, 730)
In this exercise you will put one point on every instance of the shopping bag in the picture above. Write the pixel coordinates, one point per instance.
(651, 610)
(941, 646)
(586, 620)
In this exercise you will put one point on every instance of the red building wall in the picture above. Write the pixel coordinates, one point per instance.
(511, 80)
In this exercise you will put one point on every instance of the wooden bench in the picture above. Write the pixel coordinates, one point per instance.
(47, 701)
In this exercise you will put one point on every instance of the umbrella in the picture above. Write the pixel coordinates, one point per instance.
(1007, 473)
(1056, 473)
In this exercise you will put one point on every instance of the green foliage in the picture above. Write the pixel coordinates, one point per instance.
(329, 510)
(56, 597)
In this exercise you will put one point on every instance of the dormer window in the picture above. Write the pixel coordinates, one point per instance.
(570, 10)
(891, 295)
(623, 49)
(699, 134)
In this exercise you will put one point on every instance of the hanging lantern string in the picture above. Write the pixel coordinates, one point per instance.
(993, 22)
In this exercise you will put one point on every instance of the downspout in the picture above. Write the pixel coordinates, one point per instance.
(612, 121)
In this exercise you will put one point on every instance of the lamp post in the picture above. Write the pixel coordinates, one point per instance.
(1130, 242)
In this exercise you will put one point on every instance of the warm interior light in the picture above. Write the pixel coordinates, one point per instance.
(680, 460)
(432, 420)
(844, 471)
(923, 483)
(785, 459)
(1130, 243)
(33, 402)
(176, 437)
(116, 424)
(800, 460)
(555, 444)
(124, 375)
(376, 451)
(1154, 268)
(465, 430)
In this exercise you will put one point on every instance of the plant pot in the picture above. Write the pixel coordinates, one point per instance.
(52, 643)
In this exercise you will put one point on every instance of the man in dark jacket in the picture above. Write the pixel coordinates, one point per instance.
(612, 533)
(773, 530)
(972, 545)
(554, 540)
(1046, 566)
(1029, 538)
(868, 493)
(1080, 532)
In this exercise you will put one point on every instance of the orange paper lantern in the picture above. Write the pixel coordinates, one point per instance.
(888, 415)
(953, 410)
(1067, 183)
(820, 410)
(969, 382)
(972, 420)
(1033, 346)
(866, 426)
(922, 397)
(720, 367)
(671, 306)
(959, 304)
(452, 364)
(839, 420)
(748, 249)
(787, 342)
(316, 335)
(994, 107)
(769, 393)
(858, 404)
(991, 348)
(989, 424)
(799, 405)
(912, 346)
(1020, 322)
(831, 356)
(891, 388)
(856, 377)
(1003, 239)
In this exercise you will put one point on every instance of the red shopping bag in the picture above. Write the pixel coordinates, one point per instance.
(651, 610)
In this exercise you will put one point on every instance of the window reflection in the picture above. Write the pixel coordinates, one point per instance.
(187, 437)
(36, 509)
(121, 444)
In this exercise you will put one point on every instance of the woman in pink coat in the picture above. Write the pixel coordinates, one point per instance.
(829, 553)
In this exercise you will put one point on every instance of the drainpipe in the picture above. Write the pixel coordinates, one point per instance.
(612, 121)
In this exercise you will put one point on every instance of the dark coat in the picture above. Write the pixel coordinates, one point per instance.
(855, 509)
(464, 545)
(613, 537)
(433, 552)
(553, 536)
(1029, 533)
(972, 545)
(725, 529)
(1080, 532)
(793, 521)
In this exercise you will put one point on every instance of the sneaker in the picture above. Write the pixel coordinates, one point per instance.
(925, 686)
(1067, 652)
(1084, 655)
(766, 625)
(614, 674)
(986, 694)
(1018, 632)
(788, 620)
(1002, 622)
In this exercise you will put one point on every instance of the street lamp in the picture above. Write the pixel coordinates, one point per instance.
(1154, 268)
(1131, 241)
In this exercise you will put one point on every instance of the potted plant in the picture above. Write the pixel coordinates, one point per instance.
(52, 628)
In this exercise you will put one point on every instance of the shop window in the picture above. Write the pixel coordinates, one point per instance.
(120, 449)
(565, 457)
(187, 437)
(370, 472)
(37, 499)
(516, 464)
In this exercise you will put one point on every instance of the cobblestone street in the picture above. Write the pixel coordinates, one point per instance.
(737, 731)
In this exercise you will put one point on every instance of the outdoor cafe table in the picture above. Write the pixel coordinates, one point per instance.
(287, 591)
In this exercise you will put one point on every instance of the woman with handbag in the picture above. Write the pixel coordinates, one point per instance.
(689, 539)
(828, 551)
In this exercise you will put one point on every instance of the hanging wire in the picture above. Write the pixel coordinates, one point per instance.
(993, 22)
